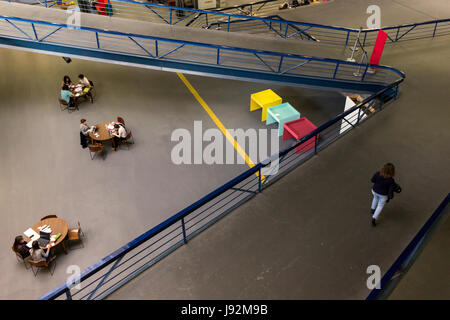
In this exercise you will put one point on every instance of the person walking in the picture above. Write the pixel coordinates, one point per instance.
(383, 188)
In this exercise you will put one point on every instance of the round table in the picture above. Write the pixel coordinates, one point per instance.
(102, 131)
(58, 226)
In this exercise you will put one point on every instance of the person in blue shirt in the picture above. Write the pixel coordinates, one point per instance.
(67, 95)
(383, 184)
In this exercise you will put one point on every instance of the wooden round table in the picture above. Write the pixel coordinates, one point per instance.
(102, 131)
(58, 226)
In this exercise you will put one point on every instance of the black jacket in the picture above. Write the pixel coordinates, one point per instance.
(83, 140)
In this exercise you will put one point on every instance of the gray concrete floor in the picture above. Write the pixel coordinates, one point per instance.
(322, 242)
(309, 236)
(429, 276)
(44, 169)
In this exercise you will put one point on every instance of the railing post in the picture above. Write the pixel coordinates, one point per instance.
(156, 47)
(281, 62)
(206, 20)
(259, 179)
(315, 143)
(68, 295)
(170, 19)
(364, 41)
(434, 31)
(46, 3)
(348, 35)
(286, 31)
(359, 113)
(335, 70)
(34, 30)
(218, 55)
(184, 230)
(365, 72)
(228, 25)
(396, 36)
(98, 41)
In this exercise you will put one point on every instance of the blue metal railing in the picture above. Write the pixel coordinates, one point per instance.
(111, 272)
(232, 20)
(406, 258)
(196, 57)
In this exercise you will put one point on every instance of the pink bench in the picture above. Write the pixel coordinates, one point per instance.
(297, 129)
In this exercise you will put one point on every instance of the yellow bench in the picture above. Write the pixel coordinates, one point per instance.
(264, 99)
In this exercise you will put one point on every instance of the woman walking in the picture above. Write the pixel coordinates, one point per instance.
(382, 190)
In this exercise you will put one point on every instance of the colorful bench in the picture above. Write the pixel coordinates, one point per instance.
(282, 113)
(297, 129)
(264, 99)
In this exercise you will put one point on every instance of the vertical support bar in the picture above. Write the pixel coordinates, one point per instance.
(359, 114)
(218, 55)
(206, 20)
(170, 19)
(396, 36)
(364, 41)
(335, 70)
(434, 31)
(286, 31)
(259, 179)
(184, 230)
(228, 25)
(34, 30)
(281, 62)
(348, 35)
(365, 72)
(98, 42)
(46, 3)
(156, 48)
(68, 295)
(315, 143)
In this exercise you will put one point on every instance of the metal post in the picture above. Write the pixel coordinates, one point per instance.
(286, 31)
(259, 179)
(396, 36)
(184, 230)
(434, 31)
(228, 26)
(335, 70)
(354, 46)
(156, 47)
(98, 42)
(365, 36)
(359, 113)
(34, 30)
(170, 20)
(206, 20)
(315, 143)
(281, 62)
(46, 3)
(348, 35)
(68, 295)
(365, 72)
(218, 55)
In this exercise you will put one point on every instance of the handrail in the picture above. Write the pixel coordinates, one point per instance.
(118, 254)
(409, 252)
(289, 29)
(280, 57)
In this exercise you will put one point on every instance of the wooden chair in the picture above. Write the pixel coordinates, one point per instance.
(127, 140)
(64, 105)
(120, 119)
(94, 149)
(22, 260)
(37, 265)
(49, 216)
(75, 234)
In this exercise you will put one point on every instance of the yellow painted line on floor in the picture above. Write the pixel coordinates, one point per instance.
(218, 123)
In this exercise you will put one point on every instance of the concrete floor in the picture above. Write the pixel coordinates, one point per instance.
(429, 277)
(126, 193)
(321, 245)
(309, 236)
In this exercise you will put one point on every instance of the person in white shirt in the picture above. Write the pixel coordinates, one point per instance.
(119, 134)
(37, 254)
(86, 84)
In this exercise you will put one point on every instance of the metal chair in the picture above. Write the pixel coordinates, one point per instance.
(63, 105)
(22, 260)
(43, 264)
(94, 149)
(127, 140)
(75, 234)
(49, 216)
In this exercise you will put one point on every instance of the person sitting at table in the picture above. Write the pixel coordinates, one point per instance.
(84, 132)
(38, 254)
(119, 134)
(20, 247)
(66, 81)
(86, 84)
(67, 96)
